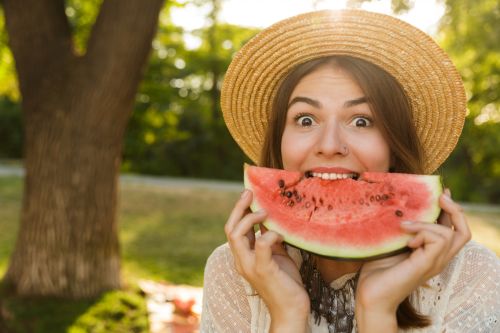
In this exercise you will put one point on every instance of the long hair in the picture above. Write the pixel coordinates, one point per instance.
(393, 114)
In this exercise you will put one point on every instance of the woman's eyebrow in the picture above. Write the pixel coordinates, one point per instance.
(355, 102)
(307, 100)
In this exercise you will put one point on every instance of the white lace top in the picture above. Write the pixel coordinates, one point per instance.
(465, 297)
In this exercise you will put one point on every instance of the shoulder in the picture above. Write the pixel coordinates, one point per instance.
(220, 267)
(471, 265)
(476, 259)
(221, 256)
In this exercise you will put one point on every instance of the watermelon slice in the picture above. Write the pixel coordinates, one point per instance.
(347, 218)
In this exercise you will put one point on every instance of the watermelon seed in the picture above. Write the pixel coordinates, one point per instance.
(330, 207)
(372, 198)
(399, 213)
(385, 197)
(281, 183)
(290, 203)
(308, 204)
(288, 194)
(377, 197)
(298, 198)
(321, 201)
(308, 174)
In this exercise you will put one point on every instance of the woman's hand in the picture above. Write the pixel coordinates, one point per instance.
(266, 265)
(383, 284)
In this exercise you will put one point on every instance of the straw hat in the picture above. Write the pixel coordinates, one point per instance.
(425, 72)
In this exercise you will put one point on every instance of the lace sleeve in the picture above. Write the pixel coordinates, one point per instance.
(475, 298)
(225, 304)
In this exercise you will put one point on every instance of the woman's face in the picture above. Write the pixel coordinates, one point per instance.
(327, 113)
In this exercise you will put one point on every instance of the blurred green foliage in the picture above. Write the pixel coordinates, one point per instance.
(470, 33)
(177, 129)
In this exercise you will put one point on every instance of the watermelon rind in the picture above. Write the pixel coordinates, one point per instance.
(390, 247)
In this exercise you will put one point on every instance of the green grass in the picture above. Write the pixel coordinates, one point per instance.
(166, 234)
(169, 233)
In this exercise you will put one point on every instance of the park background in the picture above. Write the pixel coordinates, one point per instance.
(128, 87)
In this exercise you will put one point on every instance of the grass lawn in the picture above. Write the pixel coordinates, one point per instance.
(166, 234)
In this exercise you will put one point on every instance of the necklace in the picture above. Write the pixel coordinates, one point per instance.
(335, 305)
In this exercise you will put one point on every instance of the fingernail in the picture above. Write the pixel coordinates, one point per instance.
(244, 194)
(447, 198)
(403, 223)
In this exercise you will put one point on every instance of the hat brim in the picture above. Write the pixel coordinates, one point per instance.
(427, 75)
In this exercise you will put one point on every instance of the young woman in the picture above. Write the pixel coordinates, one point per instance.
(336, 94)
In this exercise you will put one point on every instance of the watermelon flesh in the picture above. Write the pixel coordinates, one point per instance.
(347, 218)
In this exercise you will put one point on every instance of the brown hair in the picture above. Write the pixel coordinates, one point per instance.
(392, 113)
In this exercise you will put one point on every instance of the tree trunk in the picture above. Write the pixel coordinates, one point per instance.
(75, 109)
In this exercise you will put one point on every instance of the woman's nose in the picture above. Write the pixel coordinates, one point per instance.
(330, 141)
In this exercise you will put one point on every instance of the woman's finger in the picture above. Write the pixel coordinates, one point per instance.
(238, 237)
(240, 209)
(444, 218)
(426, 238)
(414, 227)
(462, 232)
(263, 248)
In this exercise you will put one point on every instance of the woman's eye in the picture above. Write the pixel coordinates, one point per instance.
(362, 122)
(304, 121)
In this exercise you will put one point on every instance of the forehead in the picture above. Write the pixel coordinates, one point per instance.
(327, 78)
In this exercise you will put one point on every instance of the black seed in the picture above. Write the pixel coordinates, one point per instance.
(399, 213)
(314, 199)
(288, 194)
(377, 197)
(385, 197)
(281, 183)
(330, 207)
(321, 201)
(309, 174)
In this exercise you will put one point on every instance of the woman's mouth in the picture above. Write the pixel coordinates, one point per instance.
(333, 176)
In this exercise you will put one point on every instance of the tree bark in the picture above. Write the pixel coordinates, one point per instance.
(75, 111)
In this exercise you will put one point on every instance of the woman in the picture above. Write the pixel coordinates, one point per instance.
(347, 92)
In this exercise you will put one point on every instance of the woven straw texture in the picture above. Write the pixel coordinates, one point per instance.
(425, 72)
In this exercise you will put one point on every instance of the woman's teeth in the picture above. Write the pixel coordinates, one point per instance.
(333, 176)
